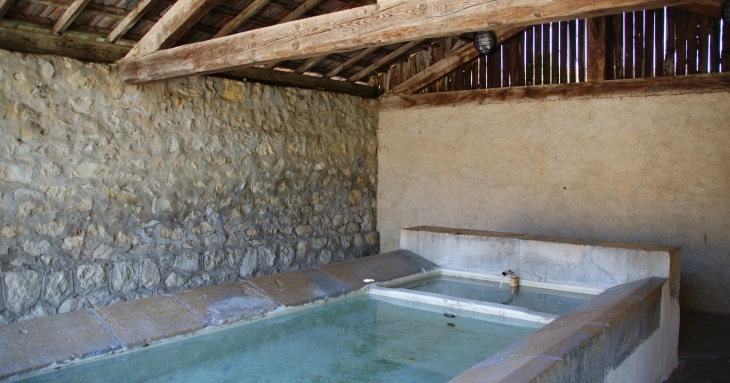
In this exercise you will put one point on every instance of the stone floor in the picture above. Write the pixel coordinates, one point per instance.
(704, 349)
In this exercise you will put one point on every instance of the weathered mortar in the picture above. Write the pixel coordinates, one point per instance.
(111, 192)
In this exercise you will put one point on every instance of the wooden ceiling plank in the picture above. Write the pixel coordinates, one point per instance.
(132, 17)
(310, 63)
(387, 23)
(46, 43)
(385, 60)
(457, 58)
(241, 18)
(177, 20)
(350, 62)
(279, 78)
(4, 6)
(69, 16)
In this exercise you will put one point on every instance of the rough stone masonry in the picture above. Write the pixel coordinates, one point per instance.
(111, 192)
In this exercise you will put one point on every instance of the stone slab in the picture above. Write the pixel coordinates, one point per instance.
(530, 369)
(423, 263)
(390, 265)
(299, 287)
(352, 274)
(143, 320)
(227, 303)
(39, 342)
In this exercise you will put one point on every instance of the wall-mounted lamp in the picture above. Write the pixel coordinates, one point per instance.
(485, 42)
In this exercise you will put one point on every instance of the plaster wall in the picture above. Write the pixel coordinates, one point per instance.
(648, 169)
(111, 192)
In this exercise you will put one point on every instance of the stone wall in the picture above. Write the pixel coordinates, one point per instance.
(111, 192)
(648, 169)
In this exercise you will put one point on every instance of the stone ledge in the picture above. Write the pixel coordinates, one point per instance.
(604, 331)
(228, 303)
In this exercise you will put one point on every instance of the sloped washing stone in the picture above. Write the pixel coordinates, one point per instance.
(227, 303)
(423, 263)
(390, 265)
(144, 320)
(529, 369)
(352, 273)
(42, 341)
(299, 287)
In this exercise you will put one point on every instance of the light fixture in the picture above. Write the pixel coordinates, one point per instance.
(485, 42)
(726, 11)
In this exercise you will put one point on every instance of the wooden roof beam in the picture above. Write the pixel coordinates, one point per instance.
(177, 20)
(69, 16)
(306, 6)
(280, 78)
(457, 58)
(129, 20)
(383, 61)
(4, 6)
(241, 18)
(387, 23)
(351, 61)
(47, 43)
(310, 63)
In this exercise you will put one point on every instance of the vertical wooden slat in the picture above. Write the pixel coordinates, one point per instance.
(618, 30)
(704, 44)
(530, 54)
(506, 63)
(714, 45)
(582, 50)
(692, 43)
(649, 43)
(573, 48)
(555, 54)
(629, 45)
(610, 64)
(681, 23)
(538, 54)
(493, 61)
(639, 37)
(518, 60)
(546, 54)
(563, 52)
(482, 72)
(659, 39)
(475, 74)
(599, 43)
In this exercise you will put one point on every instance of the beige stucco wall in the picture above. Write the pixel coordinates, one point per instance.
(645, 169)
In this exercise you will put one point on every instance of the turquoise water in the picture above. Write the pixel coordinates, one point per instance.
(358, 339)
(532, 298)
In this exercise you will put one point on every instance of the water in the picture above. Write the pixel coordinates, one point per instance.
(359, 339)
(532, 298)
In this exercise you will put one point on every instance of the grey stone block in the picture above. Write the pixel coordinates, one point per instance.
(299, 287)
(529, 369)
(351, 273)
(143, 320)
(227, 303)
(390, 265)
(36, 343)
(423, 263)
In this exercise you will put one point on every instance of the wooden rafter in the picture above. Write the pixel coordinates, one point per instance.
(47, 43)
(241, 18)
(385, 60)
(310, 63)
(129, 20)
(456, 59)
(178, 20)
(69, 16)
(293, 15)
(387, 23)
(4, 6)
(716, 82)
(280, 78)
(359, 56)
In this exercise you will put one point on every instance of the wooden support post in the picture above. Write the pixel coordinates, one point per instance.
(178, 20)
(126, 23)
(69, 16)
(5, 5)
